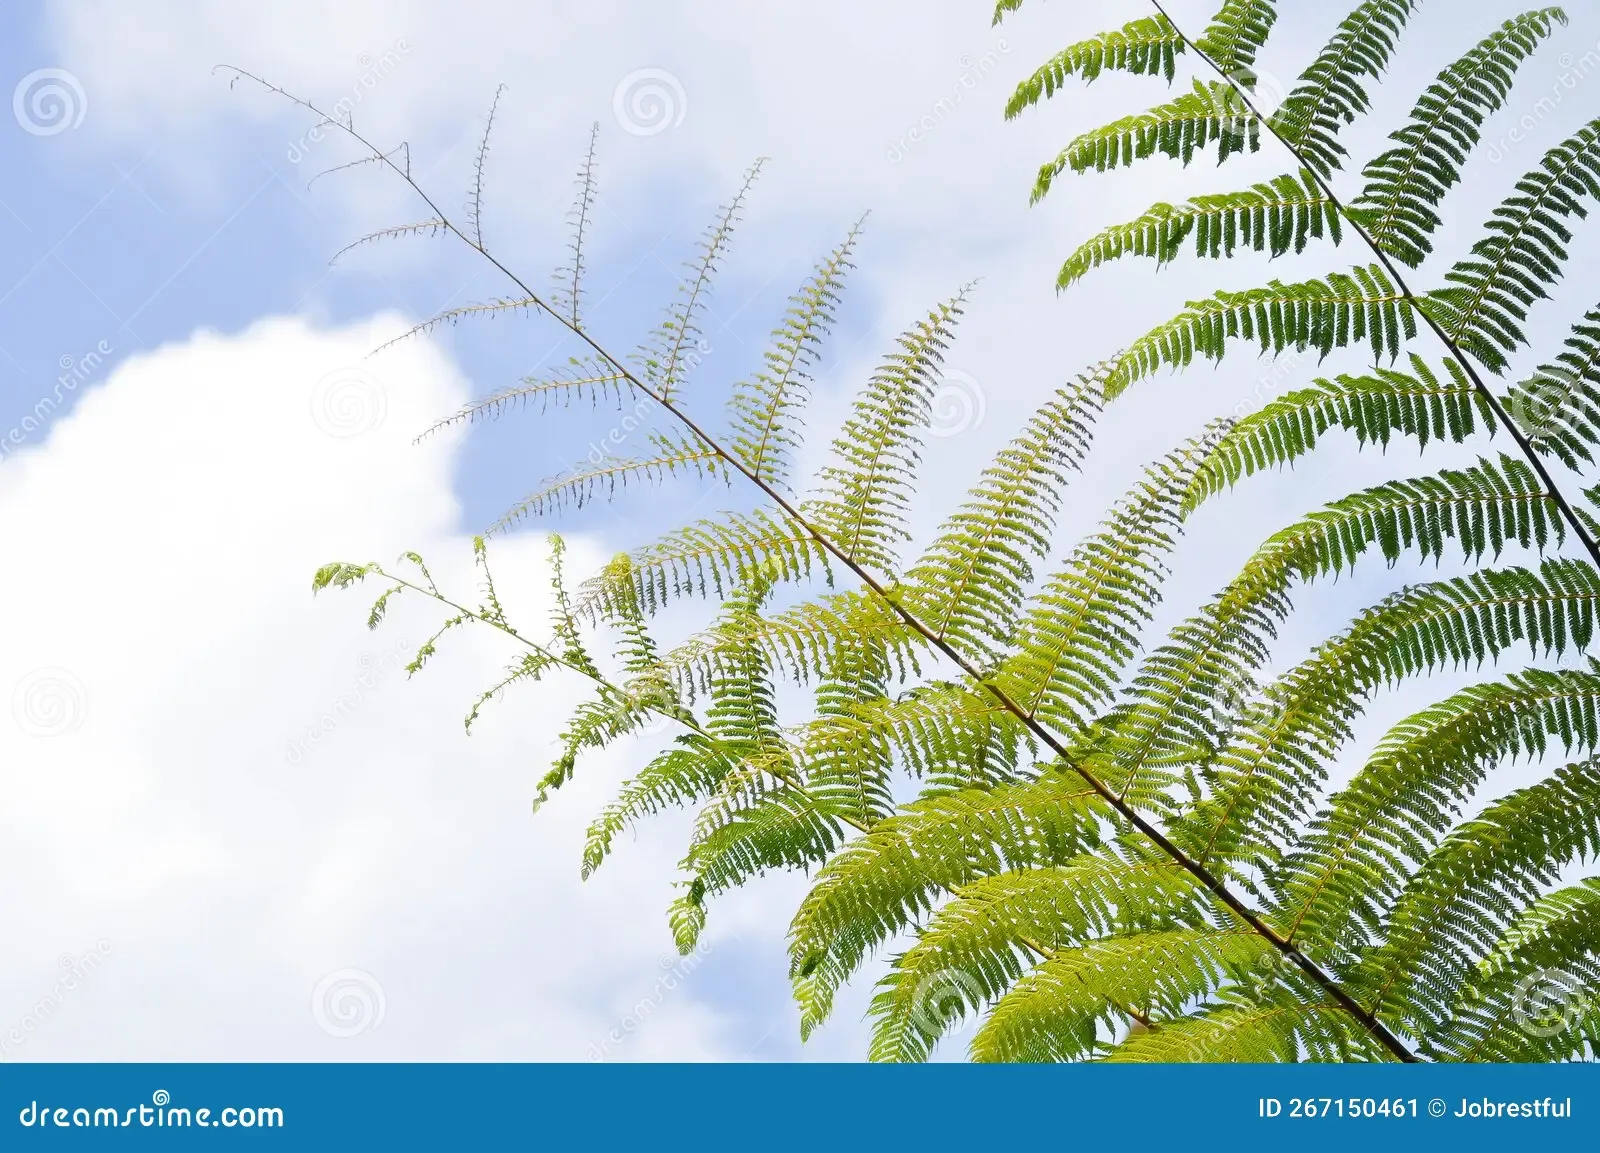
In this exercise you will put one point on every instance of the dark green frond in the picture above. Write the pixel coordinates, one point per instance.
(1375, 408)
(1330, 95)
(1524, 254)
(1365, 306)
(1149, 46)
(1212, 114)
(1399, 206)
(1283, 215)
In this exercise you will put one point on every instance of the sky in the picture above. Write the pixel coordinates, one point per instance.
(234, 828)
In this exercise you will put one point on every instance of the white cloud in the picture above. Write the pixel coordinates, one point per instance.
(166, 653)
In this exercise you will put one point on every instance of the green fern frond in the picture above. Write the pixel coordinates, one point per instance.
(1330, 95)
(582, 380)
(865, 494)
(675, 346)
(766, 409)
(1487, 872)
(1351, 864)
(1149, 46)
(1323, 315)
(969, 585)
(1281, 216)
(706, 559)
(1524, 253)
(1287, 1030)
(1212, 114)
(675, 456)
(1375, 408)
(1405, 185)
(1237, 32)
(1052, 1012)
(883, 881)
(1558, 407)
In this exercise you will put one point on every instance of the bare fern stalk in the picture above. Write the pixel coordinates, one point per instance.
(1206, 779)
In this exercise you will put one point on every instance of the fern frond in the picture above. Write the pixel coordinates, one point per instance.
(1285, 1030)
(1375, 408)
(1330, 95)
(1281, 216)
(675, 344)
(1558, 407)
(884, 880)
(1524, 253)
(1352, 863)
(1405, 185)
(1237, 32)
(1149, 46)
(765, 411)
(1486, 873)
(432, 226)
(1083, 627)
(1212, 114)
(1052, 1012)
(865, 493)
(674, 457)
(1323, 315)
(582, 379)
(969, 585)
(568, 298)
(1267, 776)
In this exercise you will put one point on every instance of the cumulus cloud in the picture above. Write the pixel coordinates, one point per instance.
(233, 829)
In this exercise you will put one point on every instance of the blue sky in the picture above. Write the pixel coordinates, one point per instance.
(167, 517)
